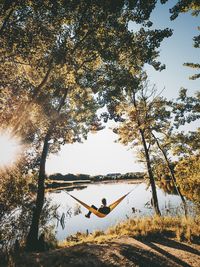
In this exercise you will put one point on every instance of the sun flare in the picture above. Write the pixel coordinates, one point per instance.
(10, 149)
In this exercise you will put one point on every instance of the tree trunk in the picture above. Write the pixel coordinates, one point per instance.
(32, 238)
(177, 188)
(151, 178)
(172, 175)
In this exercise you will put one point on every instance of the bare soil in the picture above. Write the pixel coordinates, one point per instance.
(122, 252)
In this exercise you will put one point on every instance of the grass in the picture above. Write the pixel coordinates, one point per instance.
(178, 227)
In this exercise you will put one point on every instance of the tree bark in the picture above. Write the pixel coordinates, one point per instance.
(32, 238)
(151, 178)
(172, 175)
(6, 20)
(148, 162)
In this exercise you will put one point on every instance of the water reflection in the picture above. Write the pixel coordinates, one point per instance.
(138, 203)
(68, 214)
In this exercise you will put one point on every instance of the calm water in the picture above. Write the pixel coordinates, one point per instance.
(74, 215)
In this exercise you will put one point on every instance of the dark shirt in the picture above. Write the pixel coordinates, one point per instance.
(104, 209)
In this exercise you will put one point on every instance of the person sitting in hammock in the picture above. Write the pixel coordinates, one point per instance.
(103, 209)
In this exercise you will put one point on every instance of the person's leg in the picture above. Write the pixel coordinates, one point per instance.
(89, 213)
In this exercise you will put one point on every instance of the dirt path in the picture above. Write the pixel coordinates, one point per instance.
(122, 252)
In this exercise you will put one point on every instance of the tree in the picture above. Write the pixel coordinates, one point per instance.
(186, 109)
(187, 173)
(175, 143)
(141, 112)
(16, 200)
(171, 141)
(124, 85)
(162, 173)
(165, 153)
(186, 147)
(183, 6)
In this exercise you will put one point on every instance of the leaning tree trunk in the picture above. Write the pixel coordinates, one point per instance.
(150, 173)
(177, 188)
(172, 175)
(32, 238)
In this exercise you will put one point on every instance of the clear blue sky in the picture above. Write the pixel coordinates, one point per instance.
(100, 154)
(175, 51)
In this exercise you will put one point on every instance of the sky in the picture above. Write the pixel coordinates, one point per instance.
(100, 154)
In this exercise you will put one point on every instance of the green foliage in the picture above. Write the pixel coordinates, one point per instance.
(197, 40)
(188, 177)
(16, 202)
(195, 66)
(155, 117)
(58, 54)
(141, 112)
(162, 174)
(185, 6)
(13, 186)
(186, 108)
(185, 144)
(145, 111)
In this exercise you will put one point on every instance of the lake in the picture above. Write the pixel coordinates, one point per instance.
(73, 215)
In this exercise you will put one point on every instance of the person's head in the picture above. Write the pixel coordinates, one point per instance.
(104, 201)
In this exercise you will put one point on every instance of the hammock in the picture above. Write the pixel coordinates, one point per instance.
(96, 212)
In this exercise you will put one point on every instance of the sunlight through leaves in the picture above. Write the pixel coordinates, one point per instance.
(10, 149)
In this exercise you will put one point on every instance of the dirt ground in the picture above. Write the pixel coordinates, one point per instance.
(122, 252)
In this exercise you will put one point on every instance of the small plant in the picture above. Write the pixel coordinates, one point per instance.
(180, 228)
(98, 233)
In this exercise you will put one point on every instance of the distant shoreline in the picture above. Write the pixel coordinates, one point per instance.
(131, 181)
(81, 184)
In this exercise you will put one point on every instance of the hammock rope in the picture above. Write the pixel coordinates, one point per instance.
(111, 206)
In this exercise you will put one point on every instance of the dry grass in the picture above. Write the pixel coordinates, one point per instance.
(178, 227)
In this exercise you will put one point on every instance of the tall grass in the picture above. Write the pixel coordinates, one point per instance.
(177, 227)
